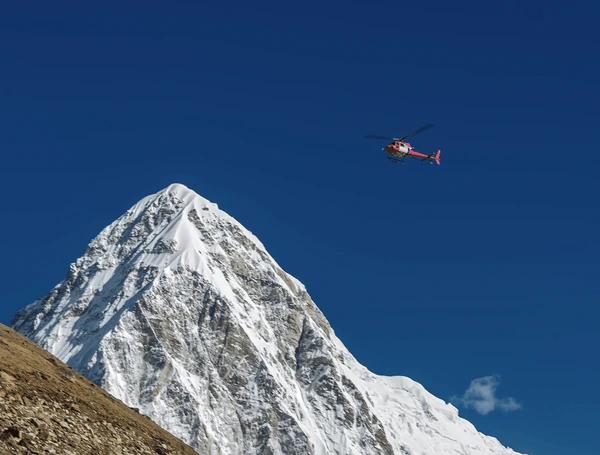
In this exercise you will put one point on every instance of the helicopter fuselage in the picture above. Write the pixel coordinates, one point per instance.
(398, 149)
(401, 150)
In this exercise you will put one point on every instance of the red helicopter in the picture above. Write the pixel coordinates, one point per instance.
(398, 150)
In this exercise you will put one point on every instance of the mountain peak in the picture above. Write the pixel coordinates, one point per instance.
(182, 192)
(178, 310)
(175, 196)
(168, 228)
(179, 188)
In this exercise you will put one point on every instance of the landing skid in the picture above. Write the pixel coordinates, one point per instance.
(396, 160)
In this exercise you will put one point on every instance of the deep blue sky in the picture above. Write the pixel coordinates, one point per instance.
(487, 264)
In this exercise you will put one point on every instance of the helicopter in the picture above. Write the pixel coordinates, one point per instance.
(398, 149)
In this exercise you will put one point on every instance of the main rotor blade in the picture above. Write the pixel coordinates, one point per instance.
(423, 128)
(374, 136)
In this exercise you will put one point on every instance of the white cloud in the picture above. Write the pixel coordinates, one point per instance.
(481, 396)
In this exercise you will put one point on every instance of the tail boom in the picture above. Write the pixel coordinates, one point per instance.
(431, 157)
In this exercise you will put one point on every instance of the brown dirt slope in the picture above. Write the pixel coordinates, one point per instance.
(48, 408)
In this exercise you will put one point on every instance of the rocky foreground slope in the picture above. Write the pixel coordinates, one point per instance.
(178, 310)
(48, 408)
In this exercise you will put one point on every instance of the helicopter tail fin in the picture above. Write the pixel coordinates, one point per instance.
(433, 157)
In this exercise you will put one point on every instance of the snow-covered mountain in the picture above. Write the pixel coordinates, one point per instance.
(178, 310)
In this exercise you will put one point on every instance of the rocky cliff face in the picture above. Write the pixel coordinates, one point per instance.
(48, 408)
(178, 310)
